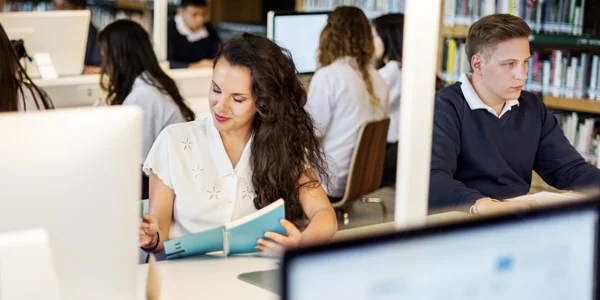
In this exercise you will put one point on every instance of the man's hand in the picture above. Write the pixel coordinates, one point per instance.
(487, 206)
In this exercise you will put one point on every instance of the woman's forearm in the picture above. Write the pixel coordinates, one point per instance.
(321, 228)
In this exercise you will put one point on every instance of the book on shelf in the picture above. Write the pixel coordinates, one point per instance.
(560, 73)
(549, 16)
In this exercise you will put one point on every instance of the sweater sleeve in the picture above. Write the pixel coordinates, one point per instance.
(557, 161)
(445, 192)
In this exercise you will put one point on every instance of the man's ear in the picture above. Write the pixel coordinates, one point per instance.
(476, 63)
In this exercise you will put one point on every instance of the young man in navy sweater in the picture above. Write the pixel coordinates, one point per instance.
(489, 135)
(192, 41)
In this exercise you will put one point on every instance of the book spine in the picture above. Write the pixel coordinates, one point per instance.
(581, 15)
(464, 64)
(572, 77)
(556, 84)
(457, 62)
(490, 7)
(561, 12)
(572, 15)
(547, 15)
(538, 16)
(584, 75)
(576, 22)
(451, 55)
(546, 73)
(594, 77)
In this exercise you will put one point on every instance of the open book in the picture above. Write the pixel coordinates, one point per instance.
(549, 197)
(237, 237)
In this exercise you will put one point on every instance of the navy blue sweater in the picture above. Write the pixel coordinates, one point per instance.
(181, 53)
(476, 155)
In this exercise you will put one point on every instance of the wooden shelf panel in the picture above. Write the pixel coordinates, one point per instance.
(578, 105)
(454, 31)
(130, 5)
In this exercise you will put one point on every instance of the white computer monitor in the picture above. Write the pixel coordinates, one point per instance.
(545, 254)
(299, 32)
(76, 174)
(84, 90)
(61, 34)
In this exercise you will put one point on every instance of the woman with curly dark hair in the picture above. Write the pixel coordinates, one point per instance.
(346, 91)
(257, 146)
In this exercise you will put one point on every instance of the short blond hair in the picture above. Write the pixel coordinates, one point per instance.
(491, 30)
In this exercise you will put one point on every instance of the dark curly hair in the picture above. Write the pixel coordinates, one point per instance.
(127, 54)
(348, 33)
(285, 145)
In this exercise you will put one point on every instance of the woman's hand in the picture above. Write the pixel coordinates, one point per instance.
(148, 231)
(279, 243)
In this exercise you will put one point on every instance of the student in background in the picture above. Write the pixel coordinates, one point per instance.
(135, 78)
(257, 146)
(489, 135)
(346, 91)
(192, 41)
(93, 57)
(17, 90)
(387, 35)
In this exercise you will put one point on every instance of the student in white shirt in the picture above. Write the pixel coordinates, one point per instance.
(17, 90)
(257, 146)
(387, 35)
(346, 91)
(135, 78)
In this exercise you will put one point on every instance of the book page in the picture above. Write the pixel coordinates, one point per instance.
(549, 197)
(265, 210)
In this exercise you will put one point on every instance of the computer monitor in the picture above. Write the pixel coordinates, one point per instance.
(84, 90)
(298, 32)
(76, 174)
(61, 34)
(550, 253)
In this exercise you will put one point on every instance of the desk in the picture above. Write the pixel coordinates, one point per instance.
(209, 277)
(215, 276)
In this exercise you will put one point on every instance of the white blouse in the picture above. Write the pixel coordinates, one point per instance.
(160, 111)
(339, 103)
(190, 158)
(392, 74)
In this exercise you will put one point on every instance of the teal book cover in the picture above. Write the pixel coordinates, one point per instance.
(195, 244)
(241, 236)
(236, 237)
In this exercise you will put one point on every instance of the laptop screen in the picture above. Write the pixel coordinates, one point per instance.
(549, 257)
(300, 34)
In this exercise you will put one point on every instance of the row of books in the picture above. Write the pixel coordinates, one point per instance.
(558, 73)
(102, 17)
(549, 16)
(582, 132)
(379, 6)
(10, 6)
